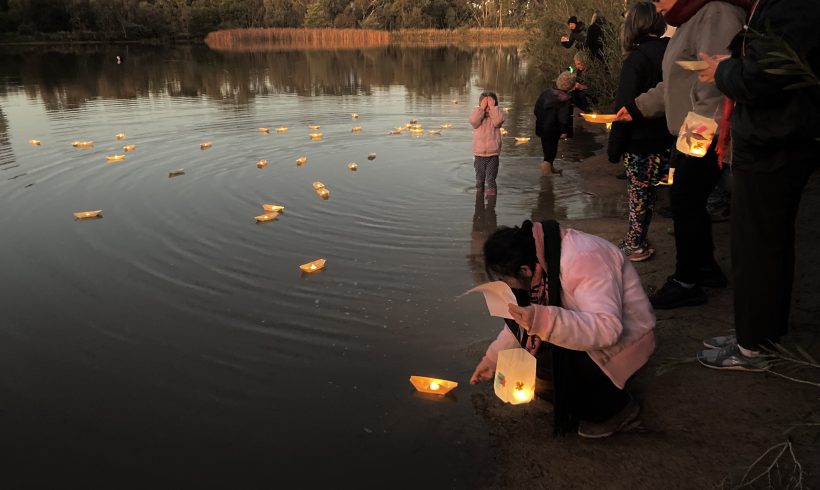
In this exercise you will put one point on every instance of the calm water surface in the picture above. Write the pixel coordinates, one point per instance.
(175, 342)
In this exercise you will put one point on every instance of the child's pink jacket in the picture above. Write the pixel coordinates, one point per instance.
(606, 311)
(486, 136)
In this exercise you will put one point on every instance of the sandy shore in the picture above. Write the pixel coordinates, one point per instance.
(702, 428)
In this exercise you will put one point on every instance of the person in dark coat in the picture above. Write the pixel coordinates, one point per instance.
(643, 144)
(775, 132)
(553, 119)
(596, 36)
(577, 34)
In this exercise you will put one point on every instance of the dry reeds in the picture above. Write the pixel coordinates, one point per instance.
(292, 38)
(473, 37)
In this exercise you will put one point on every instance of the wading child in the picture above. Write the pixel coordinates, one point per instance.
(590, 330)
(644, 144)
(553, 119)
(486, 121)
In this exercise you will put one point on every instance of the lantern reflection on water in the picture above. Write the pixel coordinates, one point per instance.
(88, 214)
(433, 386)
(314, 266)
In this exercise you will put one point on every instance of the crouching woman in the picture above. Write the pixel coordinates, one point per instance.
(583, 314)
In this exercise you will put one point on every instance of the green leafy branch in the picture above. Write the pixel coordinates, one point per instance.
(784, 60)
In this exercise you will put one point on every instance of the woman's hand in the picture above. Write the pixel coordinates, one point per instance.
(707, 75)
(483, 372)
(623, 115)
(564, 39)
(523, 315)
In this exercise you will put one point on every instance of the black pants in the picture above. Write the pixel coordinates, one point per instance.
(694, 180)
(765, 198)
(549, 146)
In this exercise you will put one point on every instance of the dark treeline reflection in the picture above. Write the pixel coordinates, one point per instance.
(66, 79)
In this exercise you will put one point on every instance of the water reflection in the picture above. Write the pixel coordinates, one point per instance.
(6, 151)
(484, 223)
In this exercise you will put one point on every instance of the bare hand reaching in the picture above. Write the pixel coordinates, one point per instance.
(623, 115)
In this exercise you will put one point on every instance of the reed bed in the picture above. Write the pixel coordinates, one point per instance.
(293, 38)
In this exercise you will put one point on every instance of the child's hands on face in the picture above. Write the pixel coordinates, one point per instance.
(490, 102)
(483, 103)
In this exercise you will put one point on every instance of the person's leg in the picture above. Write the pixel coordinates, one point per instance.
(549, 147)
(490, 174)
(596, 398)
(480, 165)
(640, 201)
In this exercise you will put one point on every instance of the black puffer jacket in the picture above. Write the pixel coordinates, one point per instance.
(769, 115)
(641, 71)
(553, 114)
(577, 37)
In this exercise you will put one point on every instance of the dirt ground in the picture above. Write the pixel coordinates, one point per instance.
(702, 428)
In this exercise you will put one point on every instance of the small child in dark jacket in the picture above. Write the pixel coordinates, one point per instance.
(553, 119)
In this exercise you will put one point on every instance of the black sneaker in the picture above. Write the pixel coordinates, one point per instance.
(673, 295)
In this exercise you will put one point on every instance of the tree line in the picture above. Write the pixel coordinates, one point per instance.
(141, 19)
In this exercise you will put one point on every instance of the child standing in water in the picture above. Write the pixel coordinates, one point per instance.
(486, 121)
(553, 119)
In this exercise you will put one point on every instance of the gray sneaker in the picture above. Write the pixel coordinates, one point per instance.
(731, 358)
(720, 342)
(623, 421)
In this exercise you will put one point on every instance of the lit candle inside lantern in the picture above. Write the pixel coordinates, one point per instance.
(88, 214)
(315, 136)
(282, 130)
(434, 386)
(261, 164)
(352, 166)
(523, 395)
(314, 266)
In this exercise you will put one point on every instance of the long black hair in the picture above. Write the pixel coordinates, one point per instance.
(507, 249)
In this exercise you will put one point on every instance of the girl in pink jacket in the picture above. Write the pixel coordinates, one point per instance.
(486, 121)
(589, 335)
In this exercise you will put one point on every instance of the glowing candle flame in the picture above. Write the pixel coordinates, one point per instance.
(434, 386)
(522, 395)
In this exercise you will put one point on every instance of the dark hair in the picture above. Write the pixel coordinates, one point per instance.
(507, 249)
(642, 20)
(572, 20)
(488, 94)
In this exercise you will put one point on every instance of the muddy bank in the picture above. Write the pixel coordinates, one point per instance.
(701, 428)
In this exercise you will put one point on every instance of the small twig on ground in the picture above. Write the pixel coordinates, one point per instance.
(772, 471)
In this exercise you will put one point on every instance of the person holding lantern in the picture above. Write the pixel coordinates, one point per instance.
(690, 106)
(582, 313)
(775, 132)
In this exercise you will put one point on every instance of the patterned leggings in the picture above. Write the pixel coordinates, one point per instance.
(642, 176)
(486, 169)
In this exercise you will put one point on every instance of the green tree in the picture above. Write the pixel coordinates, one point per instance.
(316, 16)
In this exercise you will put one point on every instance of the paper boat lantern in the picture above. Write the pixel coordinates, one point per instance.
(82, 144)
(34, 142)
(506, 109)
(599, 118)
(315, 136)
(522, 139)
(264, 130)
(314, 266)
(354, 116)
(129, 147)
(433, 386)
(313, 126)
(323, 193)
(434, 132)
(261, 164)
(399, 129)
(696, 65)
(371, 156)
(503, 132)
(120, 136)
(356, 129)
(353, 166)
(417, 131)
(174, 173)
(115, 158)
(88, 214)
(318, 185)
(205, 146)
(515, 376)
(273, 208)
(264, 218)
(446, 126)
(282, 130)
(301, 161)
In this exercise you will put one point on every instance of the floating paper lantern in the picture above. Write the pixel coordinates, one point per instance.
(120, 136)
(264, 218)
(696, 65)
(371, 156)
(356, 129)
(129, 147)
(503, 132)
(88, 214)
(264, 130)
(174, 173)
(506, 109)
(418, 131)
(273, 208)
(82, 144)
(515, 376)
(353, 166)
(261, 164)
(301, 161)
(323, 193)
(115, 158)
(446, 126)
(522, 139)
(315, 136)
(599, 118)
(313, 126)
(314, 266)
(434, 386)
(34, 142)
(282, 130)
(205, 146)
(318, 185)
(354, 116)
(434, 132)
(399, 129)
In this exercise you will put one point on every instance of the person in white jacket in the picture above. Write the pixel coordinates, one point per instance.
(602, 332)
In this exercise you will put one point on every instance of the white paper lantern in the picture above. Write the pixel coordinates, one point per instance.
(515, 376)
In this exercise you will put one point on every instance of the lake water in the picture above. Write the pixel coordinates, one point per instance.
(175, 342)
